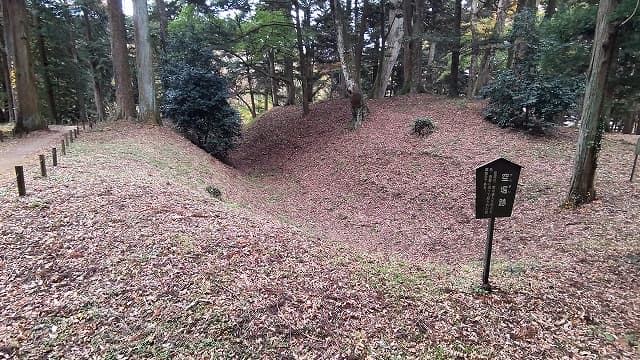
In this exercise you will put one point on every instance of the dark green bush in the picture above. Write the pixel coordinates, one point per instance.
(529, 102)
(196, 94)
(423, 126)
(197, 101)
(523, 96)
(214, 191)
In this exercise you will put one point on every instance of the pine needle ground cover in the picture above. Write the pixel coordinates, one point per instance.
(323, 243)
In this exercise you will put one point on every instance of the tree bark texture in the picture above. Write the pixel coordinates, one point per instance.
(486, 63)
(582, 188)
(475, 48)
(97, 87)
(27, 112)
(303, 61)
(455, 51)
(4, 71)
(393, 42)
(407, 58)
(81, 101)
(161, 7)
(349, 62)
(147, 111)
(416, 47)
(125, 105)
(44, 60)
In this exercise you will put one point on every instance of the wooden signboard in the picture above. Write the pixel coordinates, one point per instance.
(496, 184)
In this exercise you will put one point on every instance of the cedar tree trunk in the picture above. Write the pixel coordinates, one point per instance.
(585, 161)
(147, 111)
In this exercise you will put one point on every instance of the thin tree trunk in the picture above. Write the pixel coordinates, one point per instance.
(97, 88)
(147, 111)
(455, 51)
(486, 64)
(418, 32)
(6, 78)
(273, 80)
(347, 62)
(291, 85)
(125, 105)
(28, 116)
(303, 61)
(48, 86)
(582, 188)
(475, 49)
(164, 24)
(252, 99)
(77, 76)
(391, 50)
(266, 94)
(361, 20)
(407, 65)
(550, 10)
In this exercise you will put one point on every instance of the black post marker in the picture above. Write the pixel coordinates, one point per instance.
(43, 166)
(487, 255)
(22, 190)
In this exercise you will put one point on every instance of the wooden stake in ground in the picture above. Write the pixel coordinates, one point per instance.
(635, 160)
(70, 136)
(43, 166)
(63, 147)
(22, 190)
(54, 156)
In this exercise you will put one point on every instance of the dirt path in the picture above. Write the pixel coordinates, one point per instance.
(24, 150)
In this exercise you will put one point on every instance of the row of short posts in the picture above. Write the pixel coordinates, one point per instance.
(65, 143)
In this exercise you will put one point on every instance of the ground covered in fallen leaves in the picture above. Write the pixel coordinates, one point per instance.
(325, 243)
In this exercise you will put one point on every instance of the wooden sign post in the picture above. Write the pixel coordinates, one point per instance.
(496, 184)
(635, 160)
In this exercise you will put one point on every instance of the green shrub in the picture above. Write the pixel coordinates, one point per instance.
(423, 126)
(196, 94)
(523, 96)
(529, 102)
(214, 191)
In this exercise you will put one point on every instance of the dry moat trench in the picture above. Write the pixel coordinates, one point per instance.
(326, 244)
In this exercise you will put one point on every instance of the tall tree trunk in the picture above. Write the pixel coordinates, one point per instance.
(475, 48)
(360, 19)
(416, 47)
(303, 60)
(273, 80)
(97, 88)
(455, 51)
(252, 98)
(291, 85)
(161, 7)
(309, 53)
(550, 9)
(77, 76)
(486, 64)
(28, 116)
(147, 111)
(266, 94)
(42, 48)
(585, 162)
(4, 71)
(125, 105)
(393, 42)
(348, 64)
(407, 58)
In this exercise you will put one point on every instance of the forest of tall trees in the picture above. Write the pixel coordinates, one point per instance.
(77, 61)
